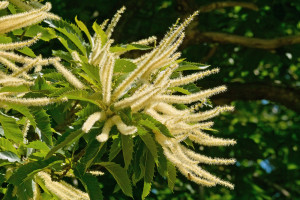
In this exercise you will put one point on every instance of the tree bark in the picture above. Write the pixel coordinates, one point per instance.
(197, 37)
(286, 96)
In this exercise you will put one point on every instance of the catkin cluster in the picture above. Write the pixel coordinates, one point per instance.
(147, 89)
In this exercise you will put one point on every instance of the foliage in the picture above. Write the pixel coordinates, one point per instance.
(75, 120)
(265, 126)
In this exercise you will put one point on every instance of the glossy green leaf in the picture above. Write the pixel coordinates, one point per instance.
(38, 145)
(11, 129)
(149, 142)
(26, 171)
(90, 184)
(24, 111)
(6, 145)
(27, 51)
(120, 175)
(171, 175)
(127, 149)
(43, 123)
(124, 66)
(98, 30)
(9, 156)
(65, 140)
(115, 149)
(153, 124)
(83, 27)
(149, 173)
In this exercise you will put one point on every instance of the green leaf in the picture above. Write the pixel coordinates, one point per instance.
(91, 71)
(149, 173)
(24, 111)
(82, 95)
(179, 89)
(128, 47)
(124, 66)
(43, 123)
(127, 149)
(191, 87)
(83, 27)
(11, 129)
(38, 145)
(90, 183)
(138, 156)
(6, 145)
(120, 175)
(5, 40)
(92, 151)
(162, 166)
(146, 190)
(19, 88)
(87, 111)
(41, 84)
(67, 44)
(63, 55)
(65, 140)
(33, 30)
(9, 193)
(115, 149)
(26, 171)
(171, 175)
(126, 115)
(153, 124)
(149, 142)
(9, 156)
(25, 190)
(184, 66)
(27, 51)
(98, 30)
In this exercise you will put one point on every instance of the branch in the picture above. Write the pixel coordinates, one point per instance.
(196, 37)
(218, 5)
(286, 96)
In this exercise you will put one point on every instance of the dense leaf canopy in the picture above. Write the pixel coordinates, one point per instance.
(256, 45)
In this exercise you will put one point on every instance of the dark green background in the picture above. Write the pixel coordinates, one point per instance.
(263, 84)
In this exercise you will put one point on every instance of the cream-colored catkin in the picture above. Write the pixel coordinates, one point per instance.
(122, 127)
(67, 74)
(10, 65)
(3, 4)
(27, 67)
(91, 120)
(18, 45)
(186, 99)
(43, 101)
(147, 41)
(61, 189)
(192, 78)
(114, 22)
(16, 21)
(103, 137)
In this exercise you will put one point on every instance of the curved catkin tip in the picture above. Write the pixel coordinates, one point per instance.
(92, 119)
(47, 7)
(3, 4)
(103, 137)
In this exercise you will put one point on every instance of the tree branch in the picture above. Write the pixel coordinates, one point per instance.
(196, 37)
(286, 96)
(188, 6)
